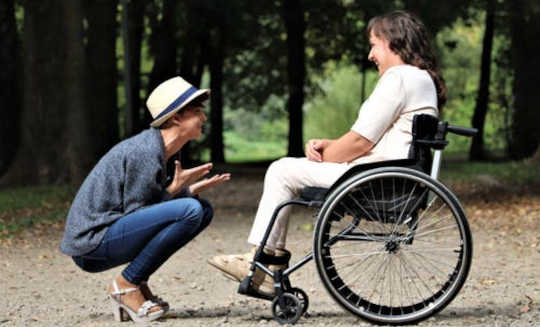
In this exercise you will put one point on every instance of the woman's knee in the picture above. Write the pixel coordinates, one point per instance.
(191, 211)
(279, 168)
(92, 265)
(208, 212)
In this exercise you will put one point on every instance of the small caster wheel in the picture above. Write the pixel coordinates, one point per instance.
(302, 297)
(286, 309)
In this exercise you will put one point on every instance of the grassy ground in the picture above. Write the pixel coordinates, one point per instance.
(38, 206)
(41, 206)
(512, 172)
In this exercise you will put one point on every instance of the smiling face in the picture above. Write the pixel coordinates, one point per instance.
(381, 55)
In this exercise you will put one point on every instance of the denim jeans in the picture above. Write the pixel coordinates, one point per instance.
(147, 237)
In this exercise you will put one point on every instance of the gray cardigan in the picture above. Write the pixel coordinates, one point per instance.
(130, 176)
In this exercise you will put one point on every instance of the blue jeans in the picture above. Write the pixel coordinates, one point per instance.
(148, 237)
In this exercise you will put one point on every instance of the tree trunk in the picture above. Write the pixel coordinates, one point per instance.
(293, 16)
(525, 28)
(536, 157)
(203, 59)
(216, 98)
(194, 56)
(102, 100)
(132, 31)
(477, 151)
(9, 82)
(79, 157)
(40, 158)
(165, 50)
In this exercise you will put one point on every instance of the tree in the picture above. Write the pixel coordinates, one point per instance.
(40, 156)
(101, 77)
(69, 106)
(194, 53)
(77, 131)
(525, 28)
(293, 16)
(482, 100)
(438, 14)
(216, 62)
(9, 84)
(163, 48)
(133, 13)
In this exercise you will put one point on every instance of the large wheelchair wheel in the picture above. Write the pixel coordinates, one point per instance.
(392, 245)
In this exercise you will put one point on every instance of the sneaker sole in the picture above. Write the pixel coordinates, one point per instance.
(233, 278)
(225, 273)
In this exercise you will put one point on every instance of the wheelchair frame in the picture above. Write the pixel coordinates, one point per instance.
(289, 303)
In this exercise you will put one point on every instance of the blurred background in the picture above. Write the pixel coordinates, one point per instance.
(75, 76)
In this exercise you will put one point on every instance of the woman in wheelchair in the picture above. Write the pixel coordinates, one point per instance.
(410, 84)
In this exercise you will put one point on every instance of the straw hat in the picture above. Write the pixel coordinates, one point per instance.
(169, 97)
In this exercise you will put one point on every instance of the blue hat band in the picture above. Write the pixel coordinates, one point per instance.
(183, 97)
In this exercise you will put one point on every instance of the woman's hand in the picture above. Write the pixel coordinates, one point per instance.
(314, 149)
(206, 183)
(184, 177)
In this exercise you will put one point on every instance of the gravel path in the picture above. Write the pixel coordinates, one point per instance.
(42, 287)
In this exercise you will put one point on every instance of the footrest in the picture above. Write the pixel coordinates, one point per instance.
(245, 288)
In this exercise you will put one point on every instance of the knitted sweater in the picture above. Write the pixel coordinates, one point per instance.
(130, 176)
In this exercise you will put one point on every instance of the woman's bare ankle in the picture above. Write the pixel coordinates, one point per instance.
(124, 283)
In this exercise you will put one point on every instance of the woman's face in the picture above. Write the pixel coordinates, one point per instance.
(192, 120)
(381, 55)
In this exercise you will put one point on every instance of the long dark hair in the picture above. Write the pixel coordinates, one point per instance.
(408, 37)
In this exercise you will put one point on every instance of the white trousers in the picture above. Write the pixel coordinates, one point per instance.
(284, 180)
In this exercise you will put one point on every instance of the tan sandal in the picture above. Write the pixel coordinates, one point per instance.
(236, 267)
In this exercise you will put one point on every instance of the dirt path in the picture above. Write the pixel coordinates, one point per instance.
(42, 287)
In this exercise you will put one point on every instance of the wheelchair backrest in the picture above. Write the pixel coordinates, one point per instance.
(424, 132)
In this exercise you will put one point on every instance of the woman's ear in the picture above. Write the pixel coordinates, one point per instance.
(175, 120)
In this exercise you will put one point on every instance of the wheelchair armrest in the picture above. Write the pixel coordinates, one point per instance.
(312, 193)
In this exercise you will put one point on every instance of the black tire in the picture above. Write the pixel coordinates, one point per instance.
(286, 309)
(302, 298)
(392, 245)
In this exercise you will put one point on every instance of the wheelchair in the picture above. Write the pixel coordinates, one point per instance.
(391, 243)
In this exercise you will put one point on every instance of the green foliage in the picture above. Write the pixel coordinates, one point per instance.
(255, 73)
(241, 149)
(510, 172)
(332, 113)
(461, 49)
(252, 136)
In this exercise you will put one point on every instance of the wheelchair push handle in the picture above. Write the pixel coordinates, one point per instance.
(460, 130)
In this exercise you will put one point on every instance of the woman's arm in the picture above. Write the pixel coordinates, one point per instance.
(347, 148)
